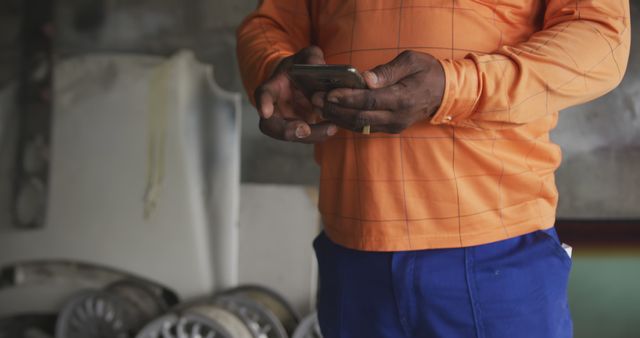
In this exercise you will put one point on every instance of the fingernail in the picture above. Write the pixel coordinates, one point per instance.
(300, 132)
(267, 111)
(332, 99)
(332, 130)
(371, 77)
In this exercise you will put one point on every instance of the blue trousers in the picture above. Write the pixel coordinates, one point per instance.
(515, 288)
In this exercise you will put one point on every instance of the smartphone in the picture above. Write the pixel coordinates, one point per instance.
(323, 78)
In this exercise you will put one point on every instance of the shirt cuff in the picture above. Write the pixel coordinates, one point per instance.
(461, 93)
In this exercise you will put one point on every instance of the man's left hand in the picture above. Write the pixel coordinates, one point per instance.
(402, 92)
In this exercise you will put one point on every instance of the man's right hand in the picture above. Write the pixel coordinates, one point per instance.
(285, 111)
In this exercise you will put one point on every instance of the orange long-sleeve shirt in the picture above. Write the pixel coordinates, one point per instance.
(482, 169)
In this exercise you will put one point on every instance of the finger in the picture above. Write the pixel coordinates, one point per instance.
(265, 101)
(320, 132)
(268, 94)
(354, 119)
(360, 99)
(405, 64)
(317, 99)
(394, 98)
(301, 107)
(284, 129)
(296, 130)
(312, 55)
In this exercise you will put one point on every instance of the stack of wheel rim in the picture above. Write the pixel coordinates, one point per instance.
(308, 328)
(118, 311)
(243, 312)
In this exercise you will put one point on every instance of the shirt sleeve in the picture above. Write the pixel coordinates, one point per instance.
(580, 54)
(275, 30)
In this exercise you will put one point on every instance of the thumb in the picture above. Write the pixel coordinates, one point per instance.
(390, 73)
(268, 94)
(311, 55)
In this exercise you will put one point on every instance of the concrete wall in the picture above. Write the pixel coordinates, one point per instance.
(207, 27)
(600, 140)
(600, 173)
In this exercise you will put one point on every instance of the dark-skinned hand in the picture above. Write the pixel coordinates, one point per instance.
(400, 93)
(285, 112)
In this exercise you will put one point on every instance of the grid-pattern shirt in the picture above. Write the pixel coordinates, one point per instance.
(482, 168)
